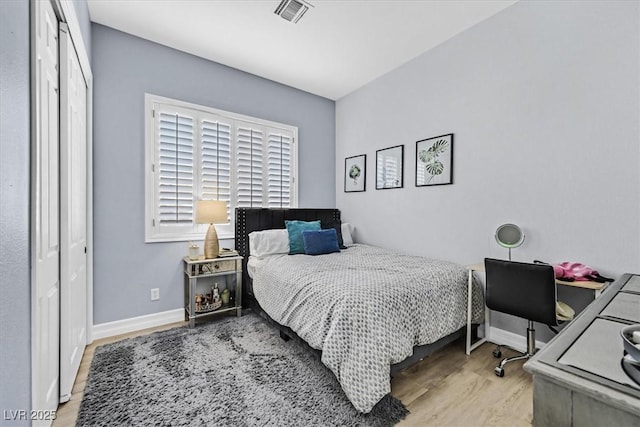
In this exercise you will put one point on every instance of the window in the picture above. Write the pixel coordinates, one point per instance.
(195, 152)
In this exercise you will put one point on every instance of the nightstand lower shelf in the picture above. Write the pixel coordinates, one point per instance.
(198, 315)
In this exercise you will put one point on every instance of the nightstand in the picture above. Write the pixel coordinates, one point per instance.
(201, 277)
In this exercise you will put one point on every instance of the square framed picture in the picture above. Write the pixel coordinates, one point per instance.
(390, 167)
(355, 169)
(434, 161)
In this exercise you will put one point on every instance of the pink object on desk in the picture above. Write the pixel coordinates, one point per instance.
(577, 271)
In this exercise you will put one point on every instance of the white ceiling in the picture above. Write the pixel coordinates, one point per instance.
(337, 46)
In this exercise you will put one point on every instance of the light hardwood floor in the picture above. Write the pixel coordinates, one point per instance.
(448, 388)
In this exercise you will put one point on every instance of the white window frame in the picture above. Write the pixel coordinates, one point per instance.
(197, 231)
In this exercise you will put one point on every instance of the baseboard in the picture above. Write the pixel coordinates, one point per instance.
(509, 339)
(124, 326)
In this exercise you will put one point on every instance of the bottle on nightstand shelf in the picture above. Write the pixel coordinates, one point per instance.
(225, 296)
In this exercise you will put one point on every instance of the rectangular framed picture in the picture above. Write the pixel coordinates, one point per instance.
(355, 169)
(434, 161)
(390, 167)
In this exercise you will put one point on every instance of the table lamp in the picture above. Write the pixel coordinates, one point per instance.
(211, 212)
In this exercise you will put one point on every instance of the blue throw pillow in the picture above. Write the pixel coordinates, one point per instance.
(337, 225)
(320, 242)
(295, 229)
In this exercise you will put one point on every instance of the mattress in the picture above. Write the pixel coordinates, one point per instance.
(365, 308)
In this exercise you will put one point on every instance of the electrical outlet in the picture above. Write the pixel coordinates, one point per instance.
(155, 294)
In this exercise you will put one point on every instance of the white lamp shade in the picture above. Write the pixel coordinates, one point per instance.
(211, 212)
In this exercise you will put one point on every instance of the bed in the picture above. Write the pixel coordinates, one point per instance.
(368, 312)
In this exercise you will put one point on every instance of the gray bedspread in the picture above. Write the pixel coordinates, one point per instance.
(365, 308)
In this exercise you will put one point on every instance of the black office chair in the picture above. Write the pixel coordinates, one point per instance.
(523, 290)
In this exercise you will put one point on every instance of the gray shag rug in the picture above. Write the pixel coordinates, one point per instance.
(230, 372)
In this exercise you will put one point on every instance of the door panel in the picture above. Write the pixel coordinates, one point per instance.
(46, 232)
(73, 224)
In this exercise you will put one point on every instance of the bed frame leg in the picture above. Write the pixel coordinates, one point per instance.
(284, 336)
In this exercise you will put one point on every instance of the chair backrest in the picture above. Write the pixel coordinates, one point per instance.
(522, 289)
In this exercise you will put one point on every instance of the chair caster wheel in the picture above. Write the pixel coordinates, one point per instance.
(499, 371)
(497, 353)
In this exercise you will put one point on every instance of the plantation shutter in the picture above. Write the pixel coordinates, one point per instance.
(200, 153)
(249, 171)
(175, 170)
(279, 147)
(215, 159)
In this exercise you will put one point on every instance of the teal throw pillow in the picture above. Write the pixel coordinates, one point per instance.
(295, 229)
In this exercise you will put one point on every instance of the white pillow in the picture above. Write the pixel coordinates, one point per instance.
(346, 234)
(268, 242)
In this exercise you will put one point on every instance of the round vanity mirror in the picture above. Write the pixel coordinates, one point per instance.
(509, 236)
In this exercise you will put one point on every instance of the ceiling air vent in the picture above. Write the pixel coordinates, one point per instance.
(292, 10)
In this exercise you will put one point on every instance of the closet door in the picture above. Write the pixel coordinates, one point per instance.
(45, 219)
(73, 214)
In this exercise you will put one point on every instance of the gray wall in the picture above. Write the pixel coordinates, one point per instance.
(82, 12)
(125, 67)
(15, 286)
(543, 99)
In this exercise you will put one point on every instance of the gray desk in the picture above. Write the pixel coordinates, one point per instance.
(577, 377)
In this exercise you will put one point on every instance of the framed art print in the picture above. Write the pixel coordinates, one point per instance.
(389, 167)
(434, 161)
(355, 173)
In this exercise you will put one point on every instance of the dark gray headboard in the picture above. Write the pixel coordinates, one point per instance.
(256, 219)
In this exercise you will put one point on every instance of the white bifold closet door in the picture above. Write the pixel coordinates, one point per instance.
(73, 214)
(45, 220)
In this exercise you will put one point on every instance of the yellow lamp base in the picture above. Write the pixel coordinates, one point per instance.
(211, 245)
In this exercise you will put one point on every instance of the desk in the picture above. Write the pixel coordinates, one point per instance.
(596, 287)
(578, 379)
(470, 347)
